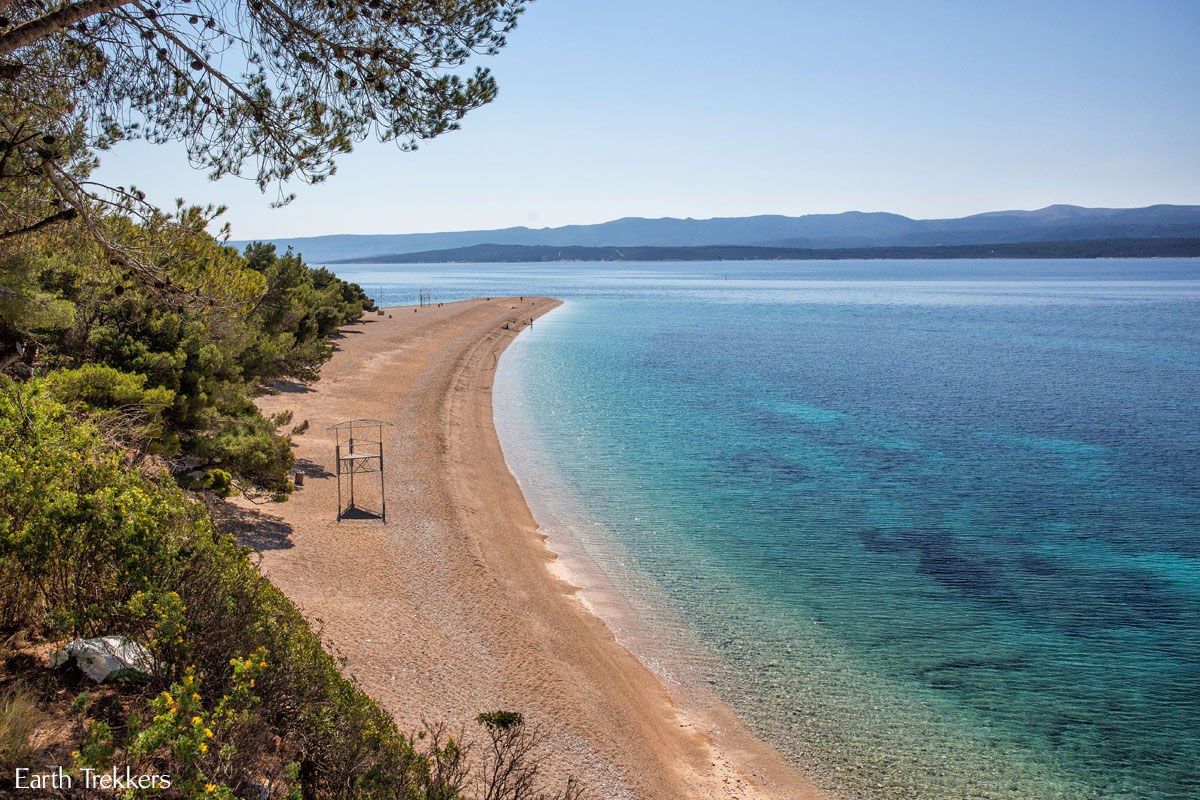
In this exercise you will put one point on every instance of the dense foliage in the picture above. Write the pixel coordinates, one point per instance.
(243, 697)
(176, 381)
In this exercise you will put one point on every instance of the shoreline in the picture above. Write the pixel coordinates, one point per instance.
(638, 615)
(455, 606)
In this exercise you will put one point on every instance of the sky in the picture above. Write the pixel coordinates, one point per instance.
(698, 108)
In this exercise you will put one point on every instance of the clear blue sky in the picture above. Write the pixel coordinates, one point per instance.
(612, 108)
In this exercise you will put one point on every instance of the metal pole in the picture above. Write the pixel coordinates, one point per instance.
(351, 454)
(337, 451)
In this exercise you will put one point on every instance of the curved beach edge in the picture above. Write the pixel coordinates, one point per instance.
(455, 605)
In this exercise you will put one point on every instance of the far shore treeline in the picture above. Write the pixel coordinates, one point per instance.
(132, 345)
(515, 253)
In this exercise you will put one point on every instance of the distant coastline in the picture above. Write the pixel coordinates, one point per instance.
(847, 230)
(1176, 247)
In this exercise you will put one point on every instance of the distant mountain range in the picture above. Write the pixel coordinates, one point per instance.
(852, 229)
(517, 253)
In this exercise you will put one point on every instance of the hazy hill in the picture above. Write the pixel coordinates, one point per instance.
(849, 229)
(522, 253)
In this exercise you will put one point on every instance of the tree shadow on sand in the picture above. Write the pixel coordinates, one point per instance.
(349, 327)
(311, 469)
(253, 528)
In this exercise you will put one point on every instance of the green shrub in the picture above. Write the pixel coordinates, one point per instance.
(80, 534)
(178, 379)
(219, 482)
(118, 401)
(243, 690)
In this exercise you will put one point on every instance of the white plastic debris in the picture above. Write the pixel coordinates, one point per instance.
(107, 658)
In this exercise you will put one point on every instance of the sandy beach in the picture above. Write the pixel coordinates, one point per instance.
(450, 607)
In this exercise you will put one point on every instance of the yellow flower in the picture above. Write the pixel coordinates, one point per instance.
(196, 720)
(210, 787)
(262, 665)
(208, 734)
(203, 747)
(195, 697)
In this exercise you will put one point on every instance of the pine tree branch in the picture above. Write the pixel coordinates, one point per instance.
(29, 32)
(62, 216)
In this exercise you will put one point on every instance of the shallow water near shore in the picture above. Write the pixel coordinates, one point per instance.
(931, 528)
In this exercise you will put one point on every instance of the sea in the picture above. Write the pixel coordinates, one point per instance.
(930, 528)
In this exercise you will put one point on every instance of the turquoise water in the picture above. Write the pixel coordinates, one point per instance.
(936, 523)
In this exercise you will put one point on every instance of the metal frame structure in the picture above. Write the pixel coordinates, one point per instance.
(356, 452)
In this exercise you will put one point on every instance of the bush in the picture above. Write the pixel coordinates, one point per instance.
(244, 691)
(118, 402)
(177, 379)
(219, 482)
(80, 534)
